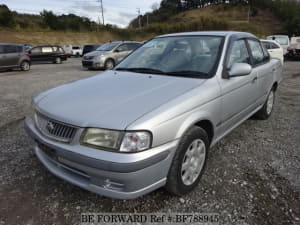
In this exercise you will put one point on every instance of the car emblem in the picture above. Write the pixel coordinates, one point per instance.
(50, 126)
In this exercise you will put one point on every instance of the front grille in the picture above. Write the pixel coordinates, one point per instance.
(54, 129)
(87, 63)
(88, 57)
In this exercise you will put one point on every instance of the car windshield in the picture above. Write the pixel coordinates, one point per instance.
(187, 56)
(280, 39)
(107, 47)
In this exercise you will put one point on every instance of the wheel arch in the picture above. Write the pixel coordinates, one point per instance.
(203, 122)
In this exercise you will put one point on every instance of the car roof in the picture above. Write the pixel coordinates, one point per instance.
(271, 41)
(11, 44)
(46, 46)
(278, 35)
(211, 33)
(122, 42)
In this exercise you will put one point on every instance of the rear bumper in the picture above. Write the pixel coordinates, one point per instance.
(125, 176)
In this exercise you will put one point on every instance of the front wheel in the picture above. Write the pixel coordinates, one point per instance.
(25, 66)
(109, 64)
(266, 111)
(57, 60)
(189, 162)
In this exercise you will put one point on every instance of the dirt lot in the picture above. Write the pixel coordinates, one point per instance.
(253, 175)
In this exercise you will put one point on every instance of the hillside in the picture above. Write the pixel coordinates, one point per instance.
(56, 37)
(262, 23)
(217, 17)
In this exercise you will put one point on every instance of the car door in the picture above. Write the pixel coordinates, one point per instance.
(121, 51)
(262, 67)
(276, 51)
(47, 53)
(36, 54)
(238, 93)
(10, 56)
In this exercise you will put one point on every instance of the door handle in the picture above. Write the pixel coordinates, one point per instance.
(254, 79)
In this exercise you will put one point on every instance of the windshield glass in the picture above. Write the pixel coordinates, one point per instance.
(190, 56)
(107, 47)
(280, 39)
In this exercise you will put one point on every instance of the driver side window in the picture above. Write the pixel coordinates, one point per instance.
(238, 53)
(122, 48)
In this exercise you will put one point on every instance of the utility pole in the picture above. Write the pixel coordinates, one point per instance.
(101, 2)
(139, 15)
(147, 19)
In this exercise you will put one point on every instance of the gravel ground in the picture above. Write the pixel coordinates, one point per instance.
(252, 177)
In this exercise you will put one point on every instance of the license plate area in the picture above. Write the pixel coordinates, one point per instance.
(51, 153)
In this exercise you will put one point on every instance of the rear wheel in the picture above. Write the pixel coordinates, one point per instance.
(25, 66)
(189, 162)
(267, 109)
(109, 64)
(57, 60)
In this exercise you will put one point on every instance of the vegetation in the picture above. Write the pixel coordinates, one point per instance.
(261, 17)
(286, 10)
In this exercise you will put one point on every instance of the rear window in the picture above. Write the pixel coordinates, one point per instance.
(19, 48)
(76, 48)
(36, 50)
(10, 49)
(282, 40)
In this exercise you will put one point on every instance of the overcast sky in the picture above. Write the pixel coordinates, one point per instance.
(119, 12)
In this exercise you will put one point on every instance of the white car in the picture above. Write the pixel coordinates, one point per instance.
(76, 51)
(68, 49)
(283, 40)
(274, 49)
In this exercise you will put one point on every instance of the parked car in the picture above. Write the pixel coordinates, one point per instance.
(294, 49)
(109, 54)
(68, 49)
(76, 51)
(274, 49)
(52, 53)
(151, 121)
(89, 48)
(14, 56)
(27, 47)
(283, 40)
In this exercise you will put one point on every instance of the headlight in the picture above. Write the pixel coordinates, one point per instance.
(136, 141)
(117, 140)
(102, 138)
(99, 57)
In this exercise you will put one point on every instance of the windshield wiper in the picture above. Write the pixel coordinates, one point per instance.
(188, 73)
(141, 70)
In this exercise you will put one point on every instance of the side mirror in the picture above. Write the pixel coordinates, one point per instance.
(237, 70)
(117, 50)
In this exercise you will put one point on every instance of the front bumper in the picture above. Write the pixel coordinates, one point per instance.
(115, 175)
(92, 64)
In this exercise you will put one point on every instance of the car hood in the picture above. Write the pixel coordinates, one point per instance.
(112, 99)
(96, 53)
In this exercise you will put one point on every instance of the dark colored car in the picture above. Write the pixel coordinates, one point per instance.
(14, 56)
(52, 53)
(89, 48)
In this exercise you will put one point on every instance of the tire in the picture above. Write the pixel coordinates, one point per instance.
(186, 161)
(109, 64)
(266, 111)
(58, 60)
(25, 65)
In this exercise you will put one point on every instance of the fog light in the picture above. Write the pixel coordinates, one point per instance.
(108, 184)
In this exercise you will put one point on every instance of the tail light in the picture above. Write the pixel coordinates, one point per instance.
(27, 54)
